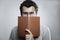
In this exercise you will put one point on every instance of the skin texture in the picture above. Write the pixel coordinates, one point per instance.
(29, 12)
(29, 36)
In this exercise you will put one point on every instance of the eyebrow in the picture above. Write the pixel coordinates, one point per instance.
(28, 12)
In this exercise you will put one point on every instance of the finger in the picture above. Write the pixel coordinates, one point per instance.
(28, 31)
(27, 36)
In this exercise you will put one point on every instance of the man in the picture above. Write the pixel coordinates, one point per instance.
(29, 8)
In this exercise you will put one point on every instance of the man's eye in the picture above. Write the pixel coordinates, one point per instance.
(24, 12)
(31, 12)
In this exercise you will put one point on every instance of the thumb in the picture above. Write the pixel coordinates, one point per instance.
(28, 31)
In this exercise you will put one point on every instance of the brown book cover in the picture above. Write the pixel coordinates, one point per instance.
(32, 23)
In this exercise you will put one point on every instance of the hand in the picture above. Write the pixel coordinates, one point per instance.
(29, 36)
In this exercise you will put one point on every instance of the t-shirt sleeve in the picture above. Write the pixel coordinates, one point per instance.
(47, 34)
(13, 35)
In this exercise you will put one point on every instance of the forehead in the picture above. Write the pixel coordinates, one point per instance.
(28, 9)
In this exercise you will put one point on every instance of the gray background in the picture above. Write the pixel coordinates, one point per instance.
(49, 11)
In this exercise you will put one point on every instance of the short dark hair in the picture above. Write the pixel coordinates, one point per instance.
(28, 3)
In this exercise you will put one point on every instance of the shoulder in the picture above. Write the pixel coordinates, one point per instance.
(44, 29)
(14, 30)
(13, 34)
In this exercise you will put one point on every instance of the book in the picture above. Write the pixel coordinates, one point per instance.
(32, 23)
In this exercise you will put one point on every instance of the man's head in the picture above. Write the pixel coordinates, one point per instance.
(28, 7)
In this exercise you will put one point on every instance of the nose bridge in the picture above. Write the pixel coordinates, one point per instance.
(28, 14)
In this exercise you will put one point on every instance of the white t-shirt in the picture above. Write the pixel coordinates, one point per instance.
(44, 34)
